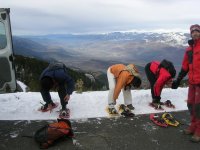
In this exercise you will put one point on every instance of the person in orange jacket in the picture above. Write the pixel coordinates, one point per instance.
(190, 66)
(121, 77)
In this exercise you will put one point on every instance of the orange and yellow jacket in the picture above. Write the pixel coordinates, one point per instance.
(123, 78)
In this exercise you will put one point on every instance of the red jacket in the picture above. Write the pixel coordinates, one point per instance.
(162, 76)
(191, 62)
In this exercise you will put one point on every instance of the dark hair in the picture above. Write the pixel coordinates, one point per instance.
(136, 82)
(46, 83)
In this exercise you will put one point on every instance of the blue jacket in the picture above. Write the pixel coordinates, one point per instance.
(61, 77)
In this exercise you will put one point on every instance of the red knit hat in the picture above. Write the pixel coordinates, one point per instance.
(194, 27)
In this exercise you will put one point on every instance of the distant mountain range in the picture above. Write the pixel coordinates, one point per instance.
(96, 52)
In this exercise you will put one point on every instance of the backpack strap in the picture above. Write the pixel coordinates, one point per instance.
(132, 70)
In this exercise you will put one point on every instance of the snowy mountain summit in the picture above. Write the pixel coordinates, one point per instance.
(171, 38)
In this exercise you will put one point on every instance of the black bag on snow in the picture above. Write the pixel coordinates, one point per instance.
(168, 65)
(48, 134)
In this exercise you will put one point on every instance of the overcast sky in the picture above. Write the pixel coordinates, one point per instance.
(98, 16)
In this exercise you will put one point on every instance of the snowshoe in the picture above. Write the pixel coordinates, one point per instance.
(158, 120)
(125, 111)
(48, 107)
(156, 106)
(112, 112)
(169, 119)
(64, 114)
(169, 104)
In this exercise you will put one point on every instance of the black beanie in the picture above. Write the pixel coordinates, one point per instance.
(46, 83)
(136, 82)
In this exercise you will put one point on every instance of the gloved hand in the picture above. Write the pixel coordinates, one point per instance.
(175, 84)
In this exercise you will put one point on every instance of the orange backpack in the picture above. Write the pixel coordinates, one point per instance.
(47, 135)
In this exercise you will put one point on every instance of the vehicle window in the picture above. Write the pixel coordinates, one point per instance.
(3, 41)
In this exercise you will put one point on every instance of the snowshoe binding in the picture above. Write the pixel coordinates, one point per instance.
(169, 119)
(112, 111)
(48, 107)
(169, 104)
(125, 111)
(156, 106)
(64, 113)
(158, 120)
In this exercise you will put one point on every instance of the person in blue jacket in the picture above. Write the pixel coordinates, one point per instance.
(56, 76)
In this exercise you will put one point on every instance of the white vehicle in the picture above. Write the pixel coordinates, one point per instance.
(7, 68)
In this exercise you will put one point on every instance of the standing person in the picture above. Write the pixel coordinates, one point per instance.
(159, 74)
(56, 76)
(121, 77)
(191, 65)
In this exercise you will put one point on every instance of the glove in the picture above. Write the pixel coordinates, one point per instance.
(175, 84)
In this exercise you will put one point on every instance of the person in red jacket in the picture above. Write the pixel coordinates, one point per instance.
(191, 65)
(158, 76)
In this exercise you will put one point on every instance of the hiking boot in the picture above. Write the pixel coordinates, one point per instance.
(47, 106)
(195, 138)
(187, 131)
(130, 106)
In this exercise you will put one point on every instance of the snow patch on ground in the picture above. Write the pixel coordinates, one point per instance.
(24, 106)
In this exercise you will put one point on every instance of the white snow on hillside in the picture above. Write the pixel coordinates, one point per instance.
(175, 39)
(24, 106)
